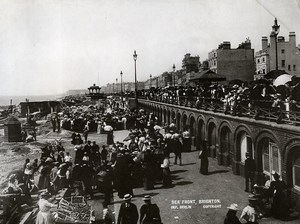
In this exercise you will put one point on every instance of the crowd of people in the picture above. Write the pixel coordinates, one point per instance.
(236, 98)
(142, 161)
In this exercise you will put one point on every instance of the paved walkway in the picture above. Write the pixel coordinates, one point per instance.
(196, 198)
(185, 202)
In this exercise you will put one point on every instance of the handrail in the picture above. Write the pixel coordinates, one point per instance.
(256, 110)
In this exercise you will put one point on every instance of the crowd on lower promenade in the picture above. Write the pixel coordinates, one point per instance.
(142, 161)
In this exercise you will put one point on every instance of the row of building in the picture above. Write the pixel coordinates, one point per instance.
(234, 63)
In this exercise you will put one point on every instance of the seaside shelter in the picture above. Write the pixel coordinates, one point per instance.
(12, 130)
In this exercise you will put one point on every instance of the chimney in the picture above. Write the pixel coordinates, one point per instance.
(264, 42)
(292, 39)
(205, 65)
(226, 45)
(280, 39)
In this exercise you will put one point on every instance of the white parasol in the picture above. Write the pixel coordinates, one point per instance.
(108, 128)
(282, 79)
(156, 127)
(168, 136)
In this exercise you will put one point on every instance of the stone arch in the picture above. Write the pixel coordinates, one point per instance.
(226, 153)
(164, 116)
(264, 134)
(200, 130)
(192, 125)
(173, 116)
(184, 120)
(212, 138)
(178, 120)
(289, 155)
(161, 115)
(156, 110)
(243, 142)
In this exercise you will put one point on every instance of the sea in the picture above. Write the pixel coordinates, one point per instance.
(6, 100)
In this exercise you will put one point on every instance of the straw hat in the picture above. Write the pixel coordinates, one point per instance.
(233, 207)
(127, 197)
(147, 198)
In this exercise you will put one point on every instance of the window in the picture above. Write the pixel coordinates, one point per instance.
(264, 71)
(263, 59)
(282, 51)
(246, 146)
(258, 61)
(271, 158)
(282, 63)
(296, 172)
(294, 67)
(289, 67)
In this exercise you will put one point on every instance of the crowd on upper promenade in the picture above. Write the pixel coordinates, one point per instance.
(236, 98)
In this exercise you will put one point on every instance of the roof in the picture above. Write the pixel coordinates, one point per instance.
(208, 74)
(12, 120)
(94, 87)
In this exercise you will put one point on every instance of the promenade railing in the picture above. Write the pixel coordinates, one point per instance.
(255, 109)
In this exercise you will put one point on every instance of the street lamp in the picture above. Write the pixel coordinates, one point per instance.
(174, 72)
(121, 73)
(116, 85)
(136, 93)
(150, 81)
(275, 31)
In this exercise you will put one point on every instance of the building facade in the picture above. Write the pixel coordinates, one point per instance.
(235, 63)
(190, 63)
(288, 54)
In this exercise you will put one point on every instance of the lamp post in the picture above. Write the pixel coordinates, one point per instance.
(174, 73)
(275, 31)
(116, 85)
(136, 91)
(121, 73)
(150, 81)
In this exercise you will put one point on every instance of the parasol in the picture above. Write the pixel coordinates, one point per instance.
(156, 127)
(108, 128)
(282, 79)
(274, 74)
(175, 136)
(168, 136)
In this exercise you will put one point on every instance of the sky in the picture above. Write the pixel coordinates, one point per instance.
(51, 46)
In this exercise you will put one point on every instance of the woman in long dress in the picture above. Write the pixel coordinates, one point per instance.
(167, 180)
(44, 215)
(204, 158)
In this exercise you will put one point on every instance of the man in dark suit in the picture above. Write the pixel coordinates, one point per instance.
(128, 213)
(149, 212)
(249, 172)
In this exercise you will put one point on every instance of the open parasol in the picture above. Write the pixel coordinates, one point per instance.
(282, 79)
(108, 128)
(156, 127)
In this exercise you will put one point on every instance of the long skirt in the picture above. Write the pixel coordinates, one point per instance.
(44, 218)
(167, 181)
(44, 182)
(204, 166)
